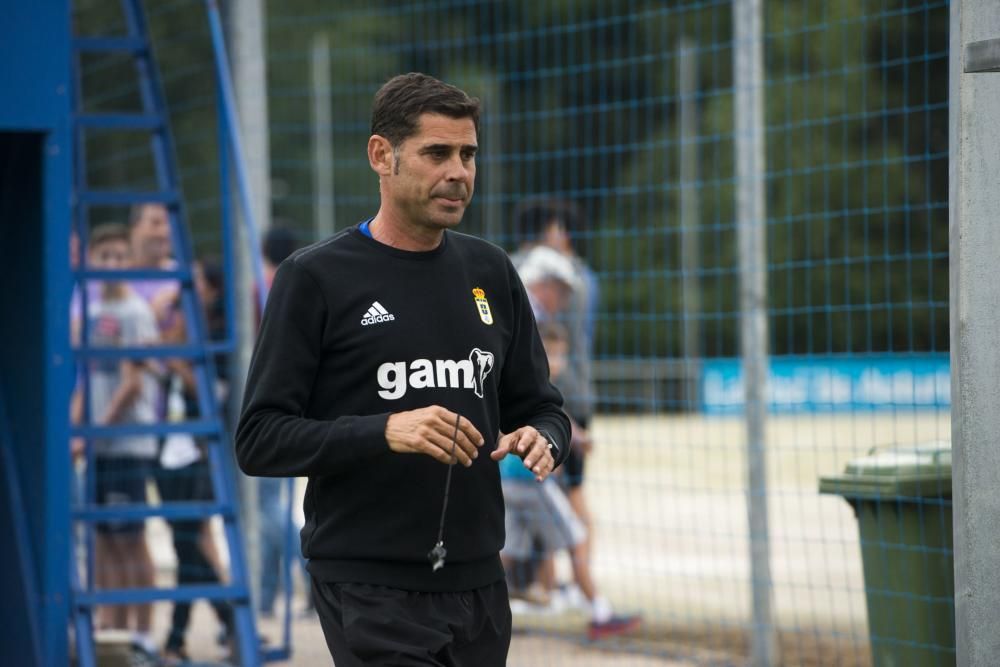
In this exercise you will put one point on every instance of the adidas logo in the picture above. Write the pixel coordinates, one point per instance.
(376, 314)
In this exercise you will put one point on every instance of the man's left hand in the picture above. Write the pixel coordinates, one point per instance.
(531, 446)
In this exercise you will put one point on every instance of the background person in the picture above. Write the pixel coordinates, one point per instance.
(541, 515)
(550, 281)
(152, 248)
(120, 392)
(559, 225)
(184, 474)
(277, 245)
(181, 472)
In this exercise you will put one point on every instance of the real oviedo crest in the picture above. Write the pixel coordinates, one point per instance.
(483, 306)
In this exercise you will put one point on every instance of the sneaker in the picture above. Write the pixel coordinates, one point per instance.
(570, 597)
(525, 608)
(613, 627)
(141, 656)
(534, 594)
(174, 656)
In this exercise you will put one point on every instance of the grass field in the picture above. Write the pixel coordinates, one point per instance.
(668, 497)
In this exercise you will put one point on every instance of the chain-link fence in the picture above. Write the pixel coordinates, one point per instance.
(623, 113)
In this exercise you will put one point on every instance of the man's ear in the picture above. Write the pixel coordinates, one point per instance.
(380, 155)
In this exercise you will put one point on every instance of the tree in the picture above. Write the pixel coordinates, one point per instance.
(582, 103)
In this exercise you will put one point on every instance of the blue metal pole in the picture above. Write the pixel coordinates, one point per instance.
(226, 212)
(82, 373)
(291, 560)
(229, 123)
(239, 159)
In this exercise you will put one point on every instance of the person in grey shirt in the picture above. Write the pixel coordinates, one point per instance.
(119, 392)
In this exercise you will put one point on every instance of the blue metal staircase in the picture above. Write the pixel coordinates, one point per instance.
(209, 427)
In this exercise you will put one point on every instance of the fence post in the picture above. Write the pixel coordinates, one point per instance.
(974, 229)
(246, 26)
(687, 90)
(324, 211)
(748, 67)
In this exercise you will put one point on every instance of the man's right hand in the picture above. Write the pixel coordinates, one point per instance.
(429, 431)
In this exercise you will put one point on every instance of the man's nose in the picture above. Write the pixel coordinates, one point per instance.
(458, 170)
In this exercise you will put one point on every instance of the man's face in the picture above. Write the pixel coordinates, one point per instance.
(434, 172)
(151, 235)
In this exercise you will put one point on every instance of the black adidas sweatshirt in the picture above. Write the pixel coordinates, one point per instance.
(355, 330)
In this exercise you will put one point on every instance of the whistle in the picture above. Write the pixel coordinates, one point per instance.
(436, 556)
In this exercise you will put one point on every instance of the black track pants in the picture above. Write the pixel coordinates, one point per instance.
(377, 626)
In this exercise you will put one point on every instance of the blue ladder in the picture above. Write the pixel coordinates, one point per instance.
(198, 350)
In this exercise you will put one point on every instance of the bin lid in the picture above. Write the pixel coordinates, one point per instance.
(918, 470)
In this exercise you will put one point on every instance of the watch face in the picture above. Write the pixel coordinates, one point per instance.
(548, 440)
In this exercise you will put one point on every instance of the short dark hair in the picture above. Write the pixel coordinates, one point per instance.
(107, 231)
(212, 271)
(136, 210)
(534, 215)
(401, 101)
(278, 244)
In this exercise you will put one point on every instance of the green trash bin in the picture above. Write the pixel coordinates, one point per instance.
(902, 498)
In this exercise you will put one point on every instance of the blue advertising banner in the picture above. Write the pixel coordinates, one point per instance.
(811, 384)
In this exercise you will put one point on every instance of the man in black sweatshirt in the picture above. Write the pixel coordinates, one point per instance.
(386, 353)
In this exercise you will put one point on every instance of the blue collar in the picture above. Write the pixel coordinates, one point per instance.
(363, 228)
